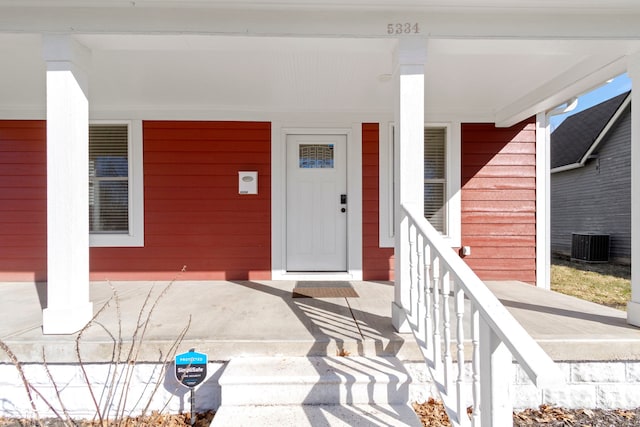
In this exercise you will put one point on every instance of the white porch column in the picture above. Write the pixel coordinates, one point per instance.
(409, 61)
(543, 201)
(633, 307)
(68, 306)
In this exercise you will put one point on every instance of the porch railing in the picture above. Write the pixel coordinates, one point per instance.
(481, 331)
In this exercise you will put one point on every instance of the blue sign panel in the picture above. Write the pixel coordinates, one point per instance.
(191, 368)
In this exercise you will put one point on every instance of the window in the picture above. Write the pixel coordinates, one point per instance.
(109, 178)
(441, 181)
(314, 156)
(115, 184)
(435, 177)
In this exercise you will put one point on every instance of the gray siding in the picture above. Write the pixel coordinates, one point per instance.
(597, 197)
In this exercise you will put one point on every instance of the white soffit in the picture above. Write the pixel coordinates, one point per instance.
(518, 78)
(242, 73)
(466, 79)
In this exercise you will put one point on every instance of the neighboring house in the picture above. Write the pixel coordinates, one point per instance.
(591, 179)
(331, 109)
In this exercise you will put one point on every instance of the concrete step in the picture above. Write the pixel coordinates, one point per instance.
(316, 415)
(314, 381)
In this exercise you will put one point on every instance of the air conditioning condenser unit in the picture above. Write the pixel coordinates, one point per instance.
(590, 247)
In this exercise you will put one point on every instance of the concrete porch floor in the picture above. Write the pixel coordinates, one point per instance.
(227, 319)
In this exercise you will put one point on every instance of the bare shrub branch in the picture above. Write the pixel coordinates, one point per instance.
(67, 417)
(118, 380)
(27, 386)
(84, 371)
(170, 355)
(116, 356)
(46, 402)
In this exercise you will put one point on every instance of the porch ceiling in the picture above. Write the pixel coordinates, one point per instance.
(208, 75)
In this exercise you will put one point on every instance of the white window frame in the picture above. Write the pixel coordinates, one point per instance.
(135, 236)
(453, 175)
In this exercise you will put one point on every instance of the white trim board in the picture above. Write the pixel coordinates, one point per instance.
(135, 236)
(279, 132)
(453, 173)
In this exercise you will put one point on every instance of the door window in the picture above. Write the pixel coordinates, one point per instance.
(314, 156)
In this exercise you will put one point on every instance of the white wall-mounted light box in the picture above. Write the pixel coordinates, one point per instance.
(248, 182)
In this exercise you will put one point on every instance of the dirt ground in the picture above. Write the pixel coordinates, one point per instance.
(431, 413)
(154, 420)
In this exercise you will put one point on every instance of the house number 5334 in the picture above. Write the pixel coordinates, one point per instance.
(403, 28)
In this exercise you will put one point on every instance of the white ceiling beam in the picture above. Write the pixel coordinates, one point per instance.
(581, 78)
(544, 24)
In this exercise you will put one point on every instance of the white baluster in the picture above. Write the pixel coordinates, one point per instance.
(437, 346)
(428, 297)
(475, 364)
(412, 274)
(446, 328)
(420, 313)
(460, 394)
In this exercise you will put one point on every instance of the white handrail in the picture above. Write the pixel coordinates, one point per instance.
(494, 334)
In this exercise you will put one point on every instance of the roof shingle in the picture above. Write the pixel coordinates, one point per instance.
(573, 138)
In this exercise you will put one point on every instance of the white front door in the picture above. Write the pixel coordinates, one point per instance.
(316, 203)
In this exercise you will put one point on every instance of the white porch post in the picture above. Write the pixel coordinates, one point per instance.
(633, 307)
(543, 201)
(409, 61)
(68, 306)
(495, 379)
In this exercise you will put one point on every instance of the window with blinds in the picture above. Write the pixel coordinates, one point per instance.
(435, 172)
(108, 178)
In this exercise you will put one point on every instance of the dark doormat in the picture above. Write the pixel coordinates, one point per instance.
(323, 289)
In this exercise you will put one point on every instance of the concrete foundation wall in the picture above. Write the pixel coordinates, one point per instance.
(169, 396)
(605, 385)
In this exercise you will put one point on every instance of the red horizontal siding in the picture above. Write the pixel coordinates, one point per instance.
(498, 200)
(477, 134)
(194, 216)
(377, 261)
(473, 182)
(499, 195)
(23, 206)
(500, 218)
